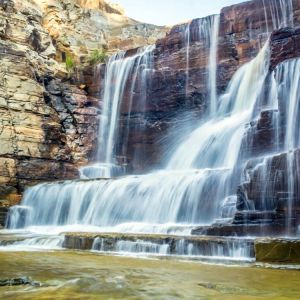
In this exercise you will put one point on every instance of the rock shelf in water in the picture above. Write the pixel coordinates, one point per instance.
(271, 250)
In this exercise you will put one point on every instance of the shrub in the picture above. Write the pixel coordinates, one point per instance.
(97, 57)
(70, 65)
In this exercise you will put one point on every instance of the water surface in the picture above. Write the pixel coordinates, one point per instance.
(82, 275)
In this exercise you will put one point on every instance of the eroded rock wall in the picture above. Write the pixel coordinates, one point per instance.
(48, 120)
(179, 81)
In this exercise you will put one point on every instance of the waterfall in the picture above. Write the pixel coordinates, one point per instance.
(198, 184)
(288, 82)
(207, 32)
(234, 249)
(287, 77)
(121, 75)
(277, 170)
(280, 12)
(213, 55)
(190, 191)
(221, 136)
(187, 37)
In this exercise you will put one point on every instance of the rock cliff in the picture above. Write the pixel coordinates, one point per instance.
(47, 124)
(244, 28)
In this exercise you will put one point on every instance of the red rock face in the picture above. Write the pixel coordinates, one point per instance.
(285, 44)
(244, 28)
(71, 129)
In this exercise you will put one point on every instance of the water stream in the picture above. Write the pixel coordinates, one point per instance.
(121, 71)
(70, 275)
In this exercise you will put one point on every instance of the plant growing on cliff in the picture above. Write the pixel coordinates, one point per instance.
(97, 57)
(70, 64)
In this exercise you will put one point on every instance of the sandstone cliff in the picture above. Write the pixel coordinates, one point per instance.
(48, 125)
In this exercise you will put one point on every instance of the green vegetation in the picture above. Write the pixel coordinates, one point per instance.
(97, 57)
(70, 64)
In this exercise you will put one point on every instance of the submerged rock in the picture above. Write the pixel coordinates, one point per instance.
(18, 281)
(208, 285)
(3, 214)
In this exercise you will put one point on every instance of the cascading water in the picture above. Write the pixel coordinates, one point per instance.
(213, 54)
(188, 195)
(221, 249)
(187, 36)
(285, 93)
(220, 137)
(291, 89)
(198, 184)
(281, 12)
(119, 70)
(207, 33)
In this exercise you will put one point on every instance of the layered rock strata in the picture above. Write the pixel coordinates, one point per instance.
(179, 80)
(48, 125)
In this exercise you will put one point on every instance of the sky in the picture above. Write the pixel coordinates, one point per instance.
(170, 12)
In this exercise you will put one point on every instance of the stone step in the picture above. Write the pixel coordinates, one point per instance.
(7, 239)
(277, 250)
(277, 228)
(161, 244)
(265, 250)
(254, 217)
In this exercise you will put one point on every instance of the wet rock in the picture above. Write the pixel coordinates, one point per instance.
(158, 244)
(243, 31)
(3, 215)
(277, 228)
(277, 251)
(268, 183)
(262, 135)
(271, 212)
(208, 285)
(254, 217)
(18, 281)
(284, 44)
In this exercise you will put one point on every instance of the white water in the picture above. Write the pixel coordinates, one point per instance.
(219, 139)
(284, 102)
(142, 247)
(280, 12)
(234, 249)
(34, 243)
(119, 70)
(207, 34)
(139, 199)
(288, 83)
(213, 57)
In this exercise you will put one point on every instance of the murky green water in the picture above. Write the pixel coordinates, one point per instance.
(71, 275)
